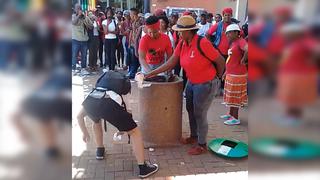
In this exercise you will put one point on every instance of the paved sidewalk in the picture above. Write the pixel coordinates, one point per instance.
(174, 161)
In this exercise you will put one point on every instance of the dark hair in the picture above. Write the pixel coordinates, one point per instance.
(203, 15)
(101, 14)
(176, 15)
(165, 19)
(109, 9)
(234, 20)
(219, 15)
(152, 20)
(210, 15)
(135, 10)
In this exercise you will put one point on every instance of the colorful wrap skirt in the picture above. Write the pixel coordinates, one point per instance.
(235, 90)
(297, 90)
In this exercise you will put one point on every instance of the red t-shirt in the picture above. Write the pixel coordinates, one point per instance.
(224, 44)
(198, 68)
(236, 51)
(297, 57)
(155, 49)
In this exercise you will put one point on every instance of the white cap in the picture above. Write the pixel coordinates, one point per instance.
(233, 27)
(147, 15)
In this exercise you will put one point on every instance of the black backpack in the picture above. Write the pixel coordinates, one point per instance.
(114, 81)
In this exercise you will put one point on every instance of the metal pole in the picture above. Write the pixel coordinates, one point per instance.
(146, 6)
(237, 9)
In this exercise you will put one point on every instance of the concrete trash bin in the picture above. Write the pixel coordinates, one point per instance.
(160, 112)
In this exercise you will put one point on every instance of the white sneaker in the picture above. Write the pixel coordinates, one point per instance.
(105, 70)
(75, 72)
(84, 72)
(232, 121)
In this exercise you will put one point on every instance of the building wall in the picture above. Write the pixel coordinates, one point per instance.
(213, 6)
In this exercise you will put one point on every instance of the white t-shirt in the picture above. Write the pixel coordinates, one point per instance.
(111, 27)
(203, 29)
(95, 28)
(171, 38)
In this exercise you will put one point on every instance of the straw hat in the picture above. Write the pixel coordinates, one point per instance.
(185, 23)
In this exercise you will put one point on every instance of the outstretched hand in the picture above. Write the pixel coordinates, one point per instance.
(86, 137)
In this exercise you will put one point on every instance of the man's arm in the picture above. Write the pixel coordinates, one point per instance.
(80, 117)
(88, 23)
(143, 62)
(244, 59)
(170, 64)
(105, 27)
(137, 40)
(210, 31)
(75, 19)
(220, 65)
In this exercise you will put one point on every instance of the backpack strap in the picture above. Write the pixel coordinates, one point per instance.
(202, 52)
(114, 22)
(123, 103)
(105, 125)
(125, 108)
(99, 79)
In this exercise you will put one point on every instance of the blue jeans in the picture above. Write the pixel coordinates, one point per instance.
(198, 100)
(133, 63)
(7, 48)
(79, 46)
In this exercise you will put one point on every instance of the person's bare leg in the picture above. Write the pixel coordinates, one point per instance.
(98, 134)
(17, 119)
(234, 111)
(137, 144)
(294, 112)
(48, 133)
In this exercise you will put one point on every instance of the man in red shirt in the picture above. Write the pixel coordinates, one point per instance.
(154, 46)
(218, 32)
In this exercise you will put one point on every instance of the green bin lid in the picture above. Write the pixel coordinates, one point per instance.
(228, 147)
(285, 148)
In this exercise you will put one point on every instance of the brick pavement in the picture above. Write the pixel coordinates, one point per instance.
(173, 161)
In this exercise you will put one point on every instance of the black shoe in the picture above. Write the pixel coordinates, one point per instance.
(147, 169)
(100, 153)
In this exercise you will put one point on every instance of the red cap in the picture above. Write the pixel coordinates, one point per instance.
(187, 13)
(227, 10)
(159, 12)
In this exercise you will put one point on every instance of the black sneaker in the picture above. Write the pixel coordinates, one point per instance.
(100, 153)
(147, 169)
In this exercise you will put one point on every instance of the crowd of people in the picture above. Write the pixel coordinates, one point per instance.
(114, 37)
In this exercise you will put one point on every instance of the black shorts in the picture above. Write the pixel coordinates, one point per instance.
(109, 110)
(44, 109)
